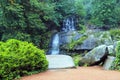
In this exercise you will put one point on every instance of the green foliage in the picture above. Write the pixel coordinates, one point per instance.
(82, 28)
(19, 58)
(102, 13)
(115, 34)
(105, 13)
(16, 35)
(36, 39)
(116, 64)
(27, 14)
(32, 19)
(76, 59)
(79, 8)
(78, 42)
(65, 8)
(35, 18)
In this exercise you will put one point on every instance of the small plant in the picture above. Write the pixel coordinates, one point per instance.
(82, 28)
(78, 42)
(76, 59)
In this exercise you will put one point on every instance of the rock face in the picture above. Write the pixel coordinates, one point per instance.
(60, 61)
(95, 55)
(67, 37)
(94, 39)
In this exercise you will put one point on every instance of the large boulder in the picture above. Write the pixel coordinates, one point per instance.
(96, 55)
(60, 61)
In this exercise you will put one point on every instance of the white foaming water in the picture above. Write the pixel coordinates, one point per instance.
(55, 45)
(69, 24)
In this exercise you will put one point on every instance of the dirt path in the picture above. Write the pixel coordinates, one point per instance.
(81, 73)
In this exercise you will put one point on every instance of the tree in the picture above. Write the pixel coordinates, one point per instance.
(32, 20)
(26, 17)
(104, 13)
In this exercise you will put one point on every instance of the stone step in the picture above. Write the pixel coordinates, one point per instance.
(60, 61)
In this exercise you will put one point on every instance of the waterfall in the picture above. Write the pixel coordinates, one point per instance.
(62, 38)
(55, 44)
(69, 24)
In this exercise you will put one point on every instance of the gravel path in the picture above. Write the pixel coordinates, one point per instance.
(81, 73)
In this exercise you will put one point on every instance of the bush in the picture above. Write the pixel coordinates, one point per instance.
(116, 64)
(19, 58)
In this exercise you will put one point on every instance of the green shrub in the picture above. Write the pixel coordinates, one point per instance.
(115, 34)
(116, 64)
(19, 58)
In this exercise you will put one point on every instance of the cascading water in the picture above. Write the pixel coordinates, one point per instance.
(69, 24)
(62, 38)
(55, 45)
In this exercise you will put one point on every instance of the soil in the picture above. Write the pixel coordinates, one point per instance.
(80, 73)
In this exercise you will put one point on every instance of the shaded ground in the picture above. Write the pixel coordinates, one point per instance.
(81, 73)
